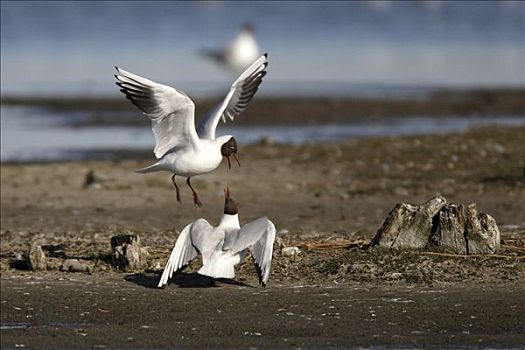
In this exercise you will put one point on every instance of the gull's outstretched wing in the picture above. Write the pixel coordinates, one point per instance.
(170, 110)
(181, 255)
(241, 92)
(191, 241)
(257, 236)
(203, 236)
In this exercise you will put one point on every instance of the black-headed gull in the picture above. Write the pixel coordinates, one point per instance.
(240, 52)
(224, 246)
(180, 148)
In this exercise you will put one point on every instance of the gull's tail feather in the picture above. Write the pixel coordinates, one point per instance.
(218, 269)
(150, 169)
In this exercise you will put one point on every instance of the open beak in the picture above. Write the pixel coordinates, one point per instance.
(230, 161)
(237, 159)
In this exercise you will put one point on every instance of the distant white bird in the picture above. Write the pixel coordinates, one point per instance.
(180, 148)
(240, 53)
(224, 246)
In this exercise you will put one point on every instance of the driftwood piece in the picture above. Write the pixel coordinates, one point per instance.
(339, 244)
(127, 254)
(408, 226)
(458, 229)
(37, 258)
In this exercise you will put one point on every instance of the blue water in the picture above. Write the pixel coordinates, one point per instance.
(54, 48)
(35, 134)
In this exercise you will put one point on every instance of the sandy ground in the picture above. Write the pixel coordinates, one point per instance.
(315, 192)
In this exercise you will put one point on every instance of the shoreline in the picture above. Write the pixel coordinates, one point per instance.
(264, 111)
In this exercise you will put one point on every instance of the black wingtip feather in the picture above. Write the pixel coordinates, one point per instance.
(259, 274)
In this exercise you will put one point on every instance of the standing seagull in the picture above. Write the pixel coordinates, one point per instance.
(240, 53)
(180, 148)
(224, 246)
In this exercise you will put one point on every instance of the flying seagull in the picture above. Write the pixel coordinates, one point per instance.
(224, 246)
(239, 53)
(181, 148)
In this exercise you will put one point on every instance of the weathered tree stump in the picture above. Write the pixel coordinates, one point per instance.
(408, 226)
(448, 227)
(127, 254)
(461, 229)
(37, 258)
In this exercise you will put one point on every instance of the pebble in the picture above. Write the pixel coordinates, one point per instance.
(290, 251)
(74, 265)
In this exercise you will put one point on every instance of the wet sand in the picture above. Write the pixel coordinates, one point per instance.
(66, 311)
(332, 192)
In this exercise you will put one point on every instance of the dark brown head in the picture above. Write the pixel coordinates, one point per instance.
(248, 27)
(230, 149)
(230, 207)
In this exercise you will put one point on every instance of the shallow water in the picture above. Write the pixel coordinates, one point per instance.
(70, 48)
(34, 134)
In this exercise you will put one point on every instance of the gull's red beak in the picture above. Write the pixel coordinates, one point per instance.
(229, 162)
(226, 192)
(237, 159)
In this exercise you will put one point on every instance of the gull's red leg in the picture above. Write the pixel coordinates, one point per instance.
(176, 188)
(196, 199)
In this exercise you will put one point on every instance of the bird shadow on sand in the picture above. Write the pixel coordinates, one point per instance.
(184, 280)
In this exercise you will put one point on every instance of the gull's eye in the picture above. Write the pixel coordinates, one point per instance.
(232, 148)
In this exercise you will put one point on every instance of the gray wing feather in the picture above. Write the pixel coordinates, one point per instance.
(240, 94)
(171, 112)
(181, 255)
(257, 236)
(202, 234)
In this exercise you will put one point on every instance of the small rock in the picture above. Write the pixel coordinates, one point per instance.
(157, 267)
(401, 191)
(344, 195)
(290, 251)
(394, 276)
(92, 180)
(498, 148)
(37, 258)
(74, 265)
